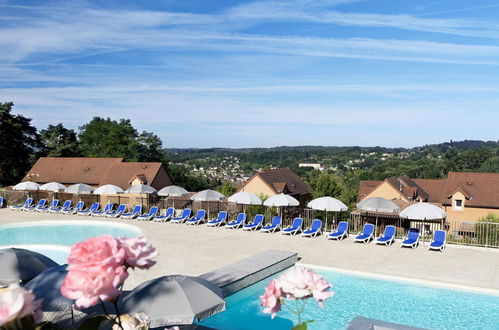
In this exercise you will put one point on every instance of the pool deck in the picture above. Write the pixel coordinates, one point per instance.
(195, 250)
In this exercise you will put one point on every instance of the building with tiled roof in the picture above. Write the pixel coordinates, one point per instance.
(464, 196)
(98, 171)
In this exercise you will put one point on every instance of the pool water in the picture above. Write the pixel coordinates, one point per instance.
(399, 302)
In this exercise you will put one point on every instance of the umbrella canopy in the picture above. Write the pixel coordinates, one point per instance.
(174, 300)
(79, 188)
(246, 198)
(281, 200)
(52, 186)
(423, 211)
(172, 191)
(140, 189)
(22, 265)
(26, 185)
(47, 285)
(377, 204)
(327, 204)
(207, 195)
(108, 189)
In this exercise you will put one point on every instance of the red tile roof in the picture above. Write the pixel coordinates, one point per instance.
(280, 179)
(366, 187)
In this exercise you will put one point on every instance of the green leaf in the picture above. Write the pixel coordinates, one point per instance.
(93, 323)
(303, 325)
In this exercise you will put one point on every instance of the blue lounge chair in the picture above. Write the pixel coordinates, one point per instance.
(107, 208)
(170, 212)
(275, 225)
(41, 204)
(256, 224)
(184, 216)
(116, 213)
(74, 210)
(135, 213)
(388, 237)
(49, 208)
(66, 206)
(412, 238)
(218, 221)
(295, 228)
(153, 211)
(238, 223)
(93, 208)
(341, 231)
(27, 203)
(315, 229)
(438, 241)
(199, 218)
(366, 235)
(1, 202)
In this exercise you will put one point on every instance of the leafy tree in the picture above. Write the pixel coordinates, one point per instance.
(59, 141)
(150, 148)
(19, 141)
(181, 177)
(227, 188)
(325, 184)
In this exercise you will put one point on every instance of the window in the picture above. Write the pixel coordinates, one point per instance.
(458, 204)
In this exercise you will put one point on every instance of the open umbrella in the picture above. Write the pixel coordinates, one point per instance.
(173, 191)
(377, 204)
(281, 200)
(174, 300)
(108, 189)
(52, 186)
(79, 188)
(327, 204)
(140, 189)
(21, 265)
(26, 185)
(207, 195)
(423, 212)
(245, 198)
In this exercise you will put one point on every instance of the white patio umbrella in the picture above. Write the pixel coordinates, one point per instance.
(327, 204)
(245, 198)
(377, 204)
(22, 265)
(108, 189)
(174, 300)
(281, 200)
(141, 189)
(207, 195)
(79, 188)
(423, 212)
(26, 185)
(52, 186)
(173, 191)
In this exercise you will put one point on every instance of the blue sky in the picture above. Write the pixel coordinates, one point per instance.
(258, 73)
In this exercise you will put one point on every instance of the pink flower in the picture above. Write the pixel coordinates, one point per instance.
(138, 252)
(271, 300)
(16, 303)
(319, 287)
(96, 252)
(302, 283)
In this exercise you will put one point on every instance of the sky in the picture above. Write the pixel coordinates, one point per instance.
(258, 73)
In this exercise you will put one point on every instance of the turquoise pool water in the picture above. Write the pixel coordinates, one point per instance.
(400, 302)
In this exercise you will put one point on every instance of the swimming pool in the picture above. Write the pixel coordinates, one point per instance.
(400, 302)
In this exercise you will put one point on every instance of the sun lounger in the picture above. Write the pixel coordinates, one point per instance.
(107, 208)
(295, 228)
(256, 224)
(388, 236)
(93, 208)
(41, 204)
(153, 211)
(412, 238)
(218, 221)
(199, 218)
(341, 231)
(185, 215)
(58, 209)
(49, 208)
(135, 213)
(274, 225)
(366, 235)
(116, 213)
(27, 203)
(167, 216)
(238, 223)
(74, 210)
(1, 202)
(438, 241)
(314, 230)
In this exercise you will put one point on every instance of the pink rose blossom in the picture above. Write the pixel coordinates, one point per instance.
(301, 283)
(319, 287)
(138, 252)
(16, 303)
(271, 300)
(96, 252)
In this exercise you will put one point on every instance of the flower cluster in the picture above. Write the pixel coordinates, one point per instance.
(98, 266)
(17, 303)
(297, 283)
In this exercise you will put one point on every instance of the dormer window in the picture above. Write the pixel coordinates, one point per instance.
(458, 204)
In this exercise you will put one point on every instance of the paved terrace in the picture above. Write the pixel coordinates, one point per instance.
(195, 250)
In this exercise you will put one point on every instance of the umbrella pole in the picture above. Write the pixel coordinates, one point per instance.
(325, 212)
(376, 225)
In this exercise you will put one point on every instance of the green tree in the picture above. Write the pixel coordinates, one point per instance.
(227, 188)
(19, 141)
(59, 141)
(150, 148)
(325, 184)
